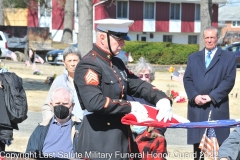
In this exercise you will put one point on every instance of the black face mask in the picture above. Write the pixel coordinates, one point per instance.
(61, 111)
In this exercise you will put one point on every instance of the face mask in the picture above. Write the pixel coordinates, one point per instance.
(61, 111)
(139, 129)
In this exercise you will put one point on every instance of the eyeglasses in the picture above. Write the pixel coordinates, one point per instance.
(145, 75)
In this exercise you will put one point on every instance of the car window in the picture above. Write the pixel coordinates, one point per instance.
(237, 48)
(1, 38)
(234, 49)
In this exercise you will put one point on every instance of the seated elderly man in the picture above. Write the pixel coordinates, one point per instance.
(55, 138)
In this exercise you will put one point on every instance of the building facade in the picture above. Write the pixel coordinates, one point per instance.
(229, 18)
(177, 21)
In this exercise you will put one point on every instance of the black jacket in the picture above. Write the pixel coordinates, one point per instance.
(6, 126)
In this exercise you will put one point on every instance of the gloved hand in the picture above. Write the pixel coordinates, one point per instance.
(165, 110)
(139, 108)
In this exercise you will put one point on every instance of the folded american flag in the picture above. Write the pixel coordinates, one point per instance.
(176, 121)
(176, 76)
(209, 144)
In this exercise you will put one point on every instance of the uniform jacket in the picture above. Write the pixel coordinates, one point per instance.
(61, 80)
(231, 146)
(216, 81)
(36, 140)
(102, 83)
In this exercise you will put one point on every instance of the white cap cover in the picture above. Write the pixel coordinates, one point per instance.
(114, 25)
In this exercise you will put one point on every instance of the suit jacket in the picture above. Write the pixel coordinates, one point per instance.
(216, 81)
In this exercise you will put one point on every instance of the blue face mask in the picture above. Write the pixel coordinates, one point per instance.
(139, 129)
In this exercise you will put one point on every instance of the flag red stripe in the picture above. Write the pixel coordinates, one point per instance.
(209, 145)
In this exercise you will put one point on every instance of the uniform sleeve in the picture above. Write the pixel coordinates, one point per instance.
(231, 146)
(87, 81)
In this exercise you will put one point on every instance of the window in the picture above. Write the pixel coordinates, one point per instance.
(197, 12)
(143, 39)
(192, 39)
(236, 23)
(45, 8)
(167, 38)
(148, 10)
(122, 9)
(175, 11)
(235, 49)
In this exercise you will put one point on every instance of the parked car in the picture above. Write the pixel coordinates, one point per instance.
(55, 57)
(234, 47)
(3, 45)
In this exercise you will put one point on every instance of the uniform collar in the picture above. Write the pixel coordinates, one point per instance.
(107, 56)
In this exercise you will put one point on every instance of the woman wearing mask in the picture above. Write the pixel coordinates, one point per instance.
(146, 72)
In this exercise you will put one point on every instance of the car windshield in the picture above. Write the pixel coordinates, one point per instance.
(225, 47)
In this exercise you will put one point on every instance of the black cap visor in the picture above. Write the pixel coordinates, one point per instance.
(118, 35)
(127, 38)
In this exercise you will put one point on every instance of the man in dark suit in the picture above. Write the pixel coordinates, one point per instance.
(208, 79)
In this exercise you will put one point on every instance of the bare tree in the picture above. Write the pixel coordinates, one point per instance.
(85, 26)
(68, 21)
(206, 19)
(1, 13)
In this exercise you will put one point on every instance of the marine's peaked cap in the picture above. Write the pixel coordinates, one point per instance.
(116, 27)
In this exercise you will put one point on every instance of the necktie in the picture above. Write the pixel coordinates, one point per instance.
(208, 59)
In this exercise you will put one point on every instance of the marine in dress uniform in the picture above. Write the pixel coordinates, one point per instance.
(102, 82)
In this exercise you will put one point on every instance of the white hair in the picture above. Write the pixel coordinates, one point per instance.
(66, 89)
